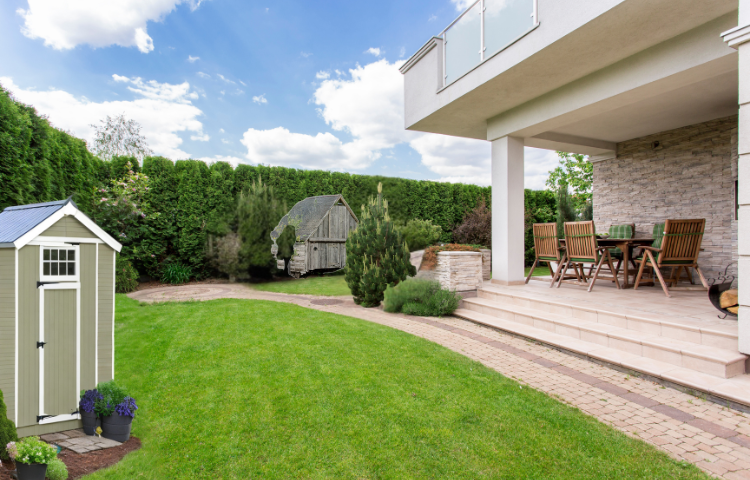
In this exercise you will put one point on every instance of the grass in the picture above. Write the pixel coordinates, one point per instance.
(329, 285)
(540, 271)
(254, 389)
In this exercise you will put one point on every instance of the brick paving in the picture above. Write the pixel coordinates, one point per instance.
(713, 437)
(79, 442)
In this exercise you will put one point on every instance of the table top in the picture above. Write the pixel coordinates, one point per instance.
(612, 241)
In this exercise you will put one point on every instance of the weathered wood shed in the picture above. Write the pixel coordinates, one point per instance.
(57, 281)
(322, 225)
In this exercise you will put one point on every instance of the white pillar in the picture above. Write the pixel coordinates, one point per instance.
(507, 211)
(739, 38)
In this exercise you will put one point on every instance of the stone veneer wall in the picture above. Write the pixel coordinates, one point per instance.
(690, 173)
(459, 271)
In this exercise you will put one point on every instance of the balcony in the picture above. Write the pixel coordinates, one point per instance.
(483, 30)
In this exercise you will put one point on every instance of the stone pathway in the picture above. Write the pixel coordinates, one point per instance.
(713, 437)
(79, 442)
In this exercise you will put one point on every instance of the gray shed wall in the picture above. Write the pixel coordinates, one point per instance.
(68, 227)
(8, 328)
(106, 312)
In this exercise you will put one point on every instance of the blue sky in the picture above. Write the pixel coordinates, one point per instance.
(295, 83)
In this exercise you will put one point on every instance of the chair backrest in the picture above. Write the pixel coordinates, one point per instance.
(546, 243)
(622, 231)
(580, 241)
(682, 240)
(658, 235)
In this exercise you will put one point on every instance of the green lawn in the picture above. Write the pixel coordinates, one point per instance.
(538, 271)
(254, 389)
(330, 285)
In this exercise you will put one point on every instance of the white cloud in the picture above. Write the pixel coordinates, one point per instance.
(260, 99)
(373, 51)
(200, 138)
(225, 141)
(233, 161)
(163, 110)
(432, 18)
(462, 5)
(305, 54)
(322, 75)
(221, 130)
(402, 52)
(193, 59)
(65, 24)
(243, 83)
(537, 165)
(203, 75)
(226, 79)
(455, 159)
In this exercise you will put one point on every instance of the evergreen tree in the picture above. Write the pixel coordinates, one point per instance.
(376, 254)
(7, 429)
(565, 210)
(191, 212)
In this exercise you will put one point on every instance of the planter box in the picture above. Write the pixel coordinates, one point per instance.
(34, 471)
(116, 427)
(459, 271)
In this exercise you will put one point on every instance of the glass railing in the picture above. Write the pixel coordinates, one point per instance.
(485, 28)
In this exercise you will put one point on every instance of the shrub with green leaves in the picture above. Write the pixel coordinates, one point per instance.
(126, 276)
(56, 470)
(112, 395)
(419, 234)
(176, 273)
(376, 254)
(33, 450)
(420, 297)
(7, 429)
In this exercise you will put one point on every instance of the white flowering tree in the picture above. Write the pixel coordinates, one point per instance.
(118, 136)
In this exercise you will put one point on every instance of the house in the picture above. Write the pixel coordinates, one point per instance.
(322, 225)
(57, 280)
(655, 93)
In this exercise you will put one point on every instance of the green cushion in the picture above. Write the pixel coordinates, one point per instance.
(549, 259)
(619, 232)
(658, 235)
(584, 260)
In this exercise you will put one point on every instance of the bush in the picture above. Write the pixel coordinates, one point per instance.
(32, 450)
(56, 470)
(7, 429)
(126, 276)
(224, 255)
(176, 273)
(376, 254)
(112, 395)
(419, 234)
(476, 227)
(420, 297)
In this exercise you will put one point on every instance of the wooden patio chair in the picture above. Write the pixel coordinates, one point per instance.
(678, 248)
(547, 249)
(625, 231)
(582, 248)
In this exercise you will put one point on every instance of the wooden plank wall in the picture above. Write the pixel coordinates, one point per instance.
(336, 225)
(8, 328)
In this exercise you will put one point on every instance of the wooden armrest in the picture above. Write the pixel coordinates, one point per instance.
(645, 247)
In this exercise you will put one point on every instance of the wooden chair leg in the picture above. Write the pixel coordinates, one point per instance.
(689, 275)
(531, 272)
(563, 272)
(557, 272)
(658, 273)
(596, 273)
(640, 273)
(614, 273)
(700, 274)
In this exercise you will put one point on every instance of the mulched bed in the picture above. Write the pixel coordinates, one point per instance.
(83, 464)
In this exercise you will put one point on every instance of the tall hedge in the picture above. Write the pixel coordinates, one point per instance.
(39, 163)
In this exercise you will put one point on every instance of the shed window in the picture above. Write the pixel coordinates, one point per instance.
(59, 263)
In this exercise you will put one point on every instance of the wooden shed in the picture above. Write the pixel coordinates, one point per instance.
(322, 225)
(57, 280)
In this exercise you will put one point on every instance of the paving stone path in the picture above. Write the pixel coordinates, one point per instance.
(713, 437)
(79, 442)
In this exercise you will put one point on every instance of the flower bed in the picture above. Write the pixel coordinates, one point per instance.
(429, 260)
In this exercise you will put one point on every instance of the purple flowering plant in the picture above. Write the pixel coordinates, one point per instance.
(127, 407)
(89, 399)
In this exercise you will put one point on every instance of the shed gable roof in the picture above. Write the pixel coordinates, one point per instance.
(307, 214)
(21, 224)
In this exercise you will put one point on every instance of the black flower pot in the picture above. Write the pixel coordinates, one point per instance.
(117, 427)
(90, 422)
(34, 471)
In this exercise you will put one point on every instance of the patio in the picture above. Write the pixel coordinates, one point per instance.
(679, 340)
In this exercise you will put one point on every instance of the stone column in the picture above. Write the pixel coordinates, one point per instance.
(507, 211)
(739, 38)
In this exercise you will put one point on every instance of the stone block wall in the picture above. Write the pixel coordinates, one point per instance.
(459, 271)
(486, 263)
(688, 172)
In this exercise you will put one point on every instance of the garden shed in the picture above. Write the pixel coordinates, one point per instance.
(322, 225)
(57, 280)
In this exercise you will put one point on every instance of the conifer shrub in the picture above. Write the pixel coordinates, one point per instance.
(565, 210)
(7, 429)
(419, 234)
(476, 228)
(420, 297)
(376, 254)
(126, 276)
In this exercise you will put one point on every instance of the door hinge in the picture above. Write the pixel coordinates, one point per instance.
(40, 344)
(39, 418)
(41, 284)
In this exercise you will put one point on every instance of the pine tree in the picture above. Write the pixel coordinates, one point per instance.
(565, 210)
(376, 254)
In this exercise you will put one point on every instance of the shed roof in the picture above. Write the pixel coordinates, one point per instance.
(15, 222)
(306, 215)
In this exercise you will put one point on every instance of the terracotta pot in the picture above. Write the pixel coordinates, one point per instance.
(34, 471)
(90, 422)
(116, 427)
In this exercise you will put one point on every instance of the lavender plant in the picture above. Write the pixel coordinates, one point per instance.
(88, 400)
(127, 407)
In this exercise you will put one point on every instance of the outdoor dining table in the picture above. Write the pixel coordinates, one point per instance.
(626, 245)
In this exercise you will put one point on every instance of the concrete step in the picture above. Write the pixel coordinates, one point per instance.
(706, 359)
(664, 327)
